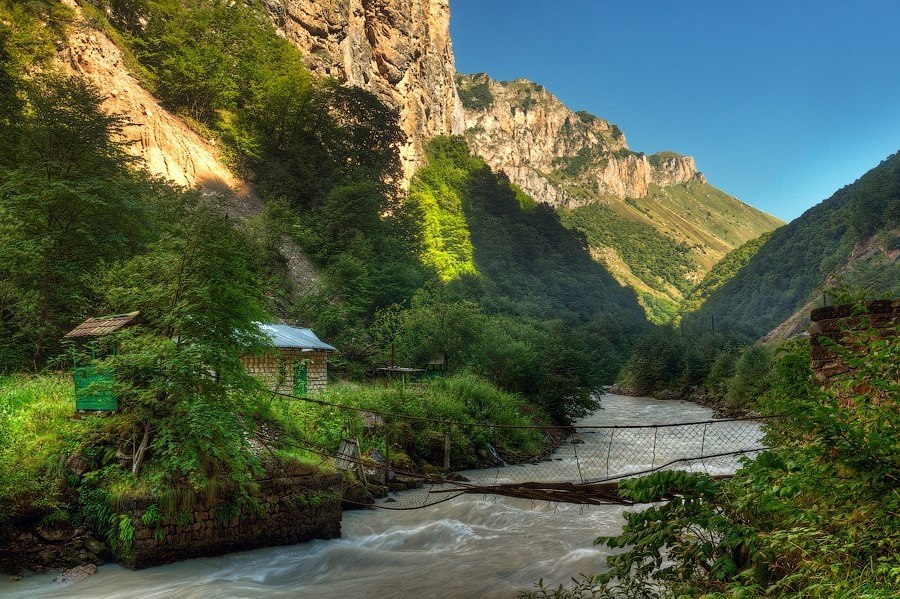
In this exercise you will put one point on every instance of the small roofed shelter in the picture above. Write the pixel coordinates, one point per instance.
(93, 384)
(437, 366)
(392, 373)
(297, 366)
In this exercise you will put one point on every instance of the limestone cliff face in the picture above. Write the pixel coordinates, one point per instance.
(163, 144)
(556, 155)
(400, 50)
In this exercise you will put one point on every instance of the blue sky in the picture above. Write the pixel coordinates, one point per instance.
(781, 103)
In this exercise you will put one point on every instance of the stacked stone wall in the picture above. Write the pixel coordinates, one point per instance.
(276, 369)
(292, 509)
(849, 329)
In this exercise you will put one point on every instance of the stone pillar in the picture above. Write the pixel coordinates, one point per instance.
(850, 329)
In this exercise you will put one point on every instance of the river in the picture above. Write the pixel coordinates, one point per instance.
(471, 546)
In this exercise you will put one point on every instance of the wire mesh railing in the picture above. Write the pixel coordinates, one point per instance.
(585, 466)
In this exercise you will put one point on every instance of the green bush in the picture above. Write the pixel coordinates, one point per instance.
(459, 398)
(815, 516)
(751, 378)
(36, 431)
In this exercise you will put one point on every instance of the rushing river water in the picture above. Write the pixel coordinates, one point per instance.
(472, 546)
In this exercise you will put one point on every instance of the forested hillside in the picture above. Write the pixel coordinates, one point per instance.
(462, 266)
(851, 238)
(722, 272)
(324, 160)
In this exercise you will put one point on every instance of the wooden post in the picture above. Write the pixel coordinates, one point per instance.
(360, 468)
(447, 448)
(388, 473)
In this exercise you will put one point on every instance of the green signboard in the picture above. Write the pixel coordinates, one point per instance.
(93, 389)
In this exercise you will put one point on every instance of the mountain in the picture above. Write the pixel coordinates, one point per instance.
(654, 220)
(722, 272)
(400, 50)
(852, 239)
(163, 142)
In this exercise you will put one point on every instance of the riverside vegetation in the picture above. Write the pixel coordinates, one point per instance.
(85, 232)
(464, 264)
(845, 241)
(815, 516)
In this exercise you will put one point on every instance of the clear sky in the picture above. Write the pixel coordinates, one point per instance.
(781, 102)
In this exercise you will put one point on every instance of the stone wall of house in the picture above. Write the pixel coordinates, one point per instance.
(849, 329)
(293, 508)
(276, 369)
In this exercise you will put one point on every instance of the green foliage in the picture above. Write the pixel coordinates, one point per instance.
(550, 319)
(656, 259)
(35, 429)
(68, 201)
(670, 359)
(324, 156)
(559, 367)
(528, 261)
(459, 398)
(722, 272)
(30, 28)
(750, 379)
(474, 91)
(436, 200)
(801, 257)
(177, 374)
(814, 517)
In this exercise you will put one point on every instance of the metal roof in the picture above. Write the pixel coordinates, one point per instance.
(282, 335)
(103, 325)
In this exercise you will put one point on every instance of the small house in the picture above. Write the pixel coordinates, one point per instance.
(93, 384)
(298, 365)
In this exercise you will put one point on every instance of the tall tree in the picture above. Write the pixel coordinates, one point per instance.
(68, 202)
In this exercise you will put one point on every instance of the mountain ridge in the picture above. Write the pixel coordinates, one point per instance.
(576, 161)
(850, 240)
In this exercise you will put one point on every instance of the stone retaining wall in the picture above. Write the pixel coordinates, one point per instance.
(849, 329)
(294, 509)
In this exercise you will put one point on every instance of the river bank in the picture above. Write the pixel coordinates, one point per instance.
(483, 546)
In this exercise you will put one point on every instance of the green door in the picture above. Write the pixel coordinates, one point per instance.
(301, 386)
(93, 389)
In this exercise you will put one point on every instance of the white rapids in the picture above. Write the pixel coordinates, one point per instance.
(471, 546)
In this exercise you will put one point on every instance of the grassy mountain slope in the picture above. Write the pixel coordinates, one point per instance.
(852, 236)
(723, 272)
(664, 244)
(475, 223)
(709, 220)
(639, 256)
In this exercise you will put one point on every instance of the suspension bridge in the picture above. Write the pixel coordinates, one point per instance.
(585, 468)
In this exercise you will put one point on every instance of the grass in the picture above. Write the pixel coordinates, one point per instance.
(36, 428)
(460, 398)
(38, 431)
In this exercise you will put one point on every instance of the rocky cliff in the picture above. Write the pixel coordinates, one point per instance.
(399, 50)
(575, 160)
(557, 155)
(163, 143)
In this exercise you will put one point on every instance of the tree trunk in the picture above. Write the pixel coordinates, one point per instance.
(141, 450)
